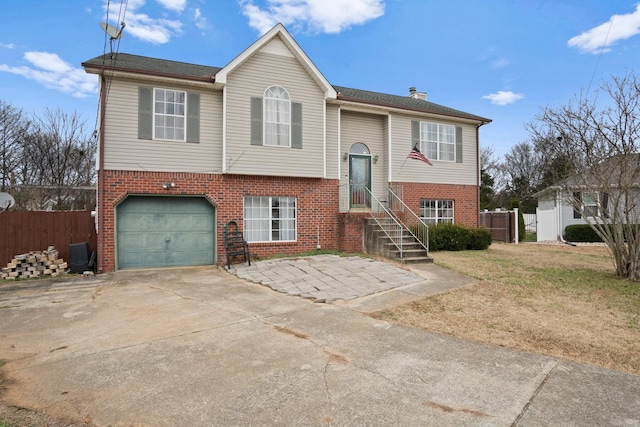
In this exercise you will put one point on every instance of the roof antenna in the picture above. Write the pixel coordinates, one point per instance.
(113, 32)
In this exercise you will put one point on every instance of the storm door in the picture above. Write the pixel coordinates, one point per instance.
(359, 177)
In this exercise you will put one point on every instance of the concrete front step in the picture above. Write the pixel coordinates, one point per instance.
(411, 253)
(406, 252)
(412, 250)
(406, 247)
(407, 240)
(415, 260)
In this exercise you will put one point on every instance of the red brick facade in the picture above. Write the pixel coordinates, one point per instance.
(351, 231)
(318, 219)
(317, 206)
(466, 203)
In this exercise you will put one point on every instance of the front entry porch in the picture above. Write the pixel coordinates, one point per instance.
(387, 227)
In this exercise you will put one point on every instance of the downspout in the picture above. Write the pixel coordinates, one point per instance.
(324, 141)
(100, 195)
(479, 172)
(389, 159)
(339, 145)
(224, 129)
(559, 216)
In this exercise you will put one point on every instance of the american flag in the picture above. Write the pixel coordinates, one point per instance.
(417, 155)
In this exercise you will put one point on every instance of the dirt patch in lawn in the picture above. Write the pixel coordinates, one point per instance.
(557, 300)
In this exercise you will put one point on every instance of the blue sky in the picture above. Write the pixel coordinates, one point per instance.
(501, 59)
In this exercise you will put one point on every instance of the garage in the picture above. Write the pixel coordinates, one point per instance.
(165, 232)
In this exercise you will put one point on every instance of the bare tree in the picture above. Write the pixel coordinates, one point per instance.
(599, 139)
(520, 175)
(13, 127)
(53, 163)
(488, 171)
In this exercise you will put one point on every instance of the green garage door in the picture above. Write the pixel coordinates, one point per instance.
(165, 232)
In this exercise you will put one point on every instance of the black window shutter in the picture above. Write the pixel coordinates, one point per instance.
(145, 113)
(415, 134)
(605, 205)
(193, 117)
(458, 144)
(256, 121)
(296, 125)
(578, 198)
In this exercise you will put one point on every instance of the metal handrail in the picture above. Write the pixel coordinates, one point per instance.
(397, 228)
(387, 221)
(423, 239)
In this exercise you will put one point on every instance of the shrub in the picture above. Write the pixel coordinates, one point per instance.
(448, 237)
(581, 233)
(454, 237)
(480, 239)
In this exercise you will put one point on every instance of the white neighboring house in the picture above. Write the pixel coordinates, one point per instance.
(612, 194)
(554, 212)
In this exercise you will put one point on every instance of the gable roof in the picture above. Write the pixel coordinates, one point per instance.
(280, 32)
(403, 102)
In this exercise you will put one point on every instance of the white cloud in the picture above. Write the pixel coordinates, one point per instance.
(618, 27)
(152, 30)
(500, 63)
(7, 45)
(51, 71)
(324, 16)
(145, 27)
(176, 5)
(503, 97)
(201, 21)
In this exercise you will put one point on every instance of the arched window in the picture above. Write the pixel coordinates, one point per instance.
(277, 117)
(359, 148)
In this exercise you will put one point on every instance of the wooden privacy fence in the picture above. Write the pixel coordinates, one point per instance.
(501, 224)
(24, 231)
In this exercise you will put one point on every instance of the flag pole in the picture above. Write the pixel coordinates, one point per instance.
(405, 161)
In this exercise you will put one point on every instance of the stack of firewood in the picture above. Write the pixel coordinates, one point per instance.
(34, 264)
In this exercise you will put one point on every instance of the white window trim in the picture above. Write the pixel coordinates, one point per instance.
(264, 117)
(437, 218)
(154, 114)
(270, 219)
(424, 142)
(596, 204)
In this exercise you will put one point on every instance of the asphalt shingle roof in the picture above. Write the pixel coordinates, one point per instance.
(125, 61)
(403, 102)
(146, 65)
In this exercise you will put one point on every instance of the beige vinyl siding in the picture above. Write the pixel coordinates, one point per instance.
(250, 80)
(368, 129)
(465, 173)
(334, 157)
(124, 151)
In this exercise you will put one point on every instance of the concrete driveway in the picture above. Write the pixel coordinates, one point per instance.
(201, 347)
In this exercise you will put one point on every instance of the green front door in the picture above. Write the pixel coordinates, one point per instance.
(165, 232)
(359, 181)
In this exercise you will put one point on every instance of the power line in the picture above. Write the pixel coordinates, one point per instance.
(604, 45)
(121, 17)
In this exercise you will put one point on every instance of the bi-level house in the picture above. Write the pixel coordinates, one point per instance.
(268, 142)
